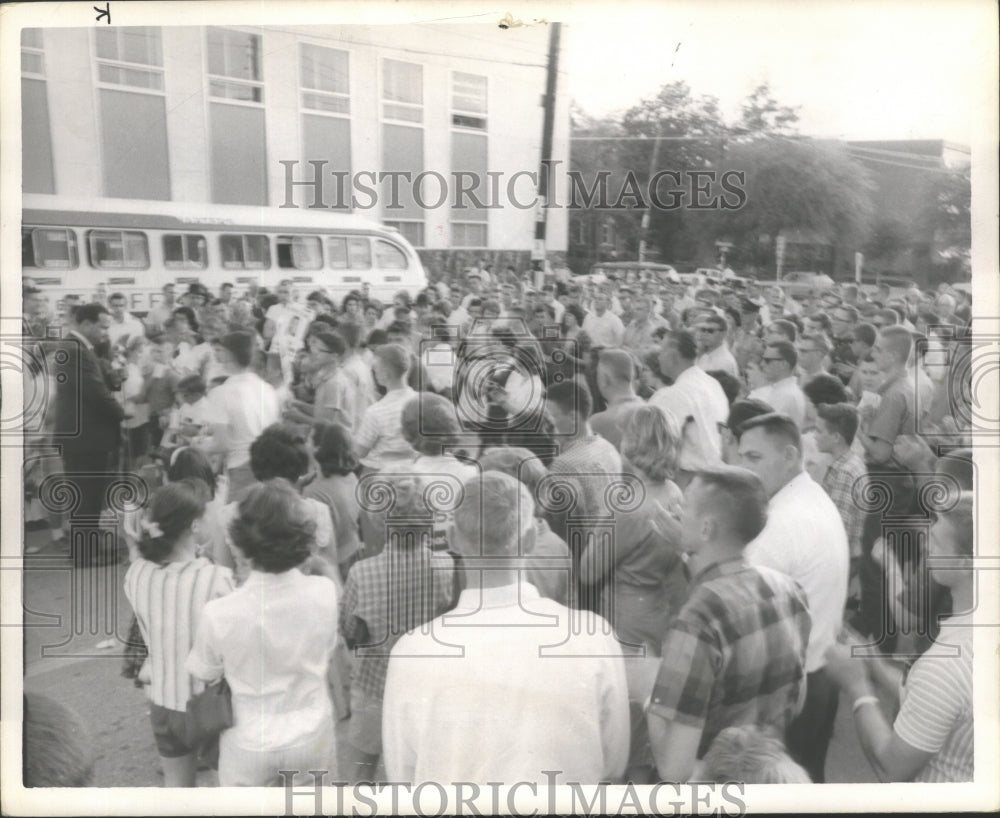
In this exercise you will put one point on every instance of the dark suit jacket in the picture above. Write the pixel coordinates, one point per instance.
(88, 418)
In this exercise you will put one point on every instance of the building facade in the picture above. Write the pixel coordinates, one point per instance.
(331, 116)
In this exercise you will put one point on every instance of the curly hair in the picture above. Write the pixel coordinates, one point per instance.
(278, 452)
(191, 462)
(651, 440)
(273, 527)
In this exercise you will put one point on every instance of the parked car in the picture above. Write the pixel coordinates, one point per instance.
(800, 284)
(629, 272)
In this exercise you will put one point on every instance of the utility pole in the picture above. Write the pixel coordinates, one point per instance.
(548, 124)
(644, 225)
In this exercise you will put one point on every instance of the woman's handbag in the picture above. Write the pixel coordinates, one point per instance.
(209, 713)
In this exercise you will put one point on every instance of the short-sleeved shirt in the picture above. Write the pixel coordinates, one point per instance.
(272, 639)
(391, 593)
(842, 475)
(380, 435)
(895, 415)
(735, 654)
(337, 492)
(936, 711)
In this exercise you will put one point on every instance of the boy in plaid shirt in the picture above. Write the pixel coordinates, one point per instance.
(836, 425)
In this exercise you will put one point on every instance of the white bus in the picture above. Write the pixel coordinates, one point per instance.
(85, 247)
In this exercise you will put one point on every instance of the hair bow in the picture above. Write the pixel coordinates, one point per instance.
(152, 528)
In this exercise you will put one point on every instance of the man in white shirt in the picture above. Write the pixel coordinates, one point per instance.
(603, 326)
(695, 399)
(379, 440)
(805, 539)
(782, 390)
(503, 688)
(711, 332)
(158, 316)
(124, 325)
(240, 408)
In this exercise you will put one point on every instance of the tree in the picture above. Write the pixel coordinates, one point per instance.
(795, 184)
(951, 220)
(762, 115)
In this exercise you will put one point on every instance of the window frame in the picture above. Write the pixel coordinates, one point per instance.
(73, 245)
(185, 263)
(243, 250)
(34, 50)
(152, 69)
(464, 223)
(233, 81)
(291, 239)
(91, 236)
(415, 106)
(456, 111)
(305, 91)
(398, 224)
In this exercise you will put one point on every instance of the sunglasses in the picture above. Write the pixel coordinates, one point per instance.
(707, 329)
(770, 360)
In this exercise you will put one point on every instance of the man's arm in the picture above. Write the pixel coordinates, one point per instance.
(675, 747)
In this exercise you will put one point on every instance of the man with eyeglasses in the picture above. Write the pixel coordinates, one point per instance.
(710, 333)
(782, 390)
(812, 351)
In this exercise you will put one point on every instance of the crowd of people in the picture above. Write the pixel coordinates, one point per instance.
(635, 524)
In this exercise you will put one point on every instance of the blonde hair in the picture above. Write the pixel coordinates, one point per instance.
(651, 440)
(752, 754)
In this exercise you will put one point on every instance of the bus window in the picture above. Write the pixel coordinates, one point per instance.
(53, 248)
(336, 250)
(359, 254)
(250, 252)
(389, 256)
(187, 251)
(300, 252)
(118, 249)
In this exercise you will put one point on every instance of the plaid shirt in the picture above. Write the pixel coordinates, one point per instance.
(841, 475)
(387, 595)
(736, 652)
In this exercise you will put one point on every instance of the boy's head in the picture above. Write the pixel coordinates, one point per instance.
(191, 389)
(752, 754)
(868, 374)
(836, 425)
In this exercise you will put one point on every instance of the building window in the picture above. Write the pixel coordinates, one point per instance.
(118, 249)
(245, 252)
(402, 91)
(187, 251)
(131, 56)
(412, 231)
(234, 65)
(32, 53)
(468, 101)
(466, 234)
(300, 252)
(325, 79)
(37, 169)
(49, 248)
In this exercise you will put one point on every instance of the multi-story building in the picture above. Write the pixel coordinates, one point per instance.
(235, 115)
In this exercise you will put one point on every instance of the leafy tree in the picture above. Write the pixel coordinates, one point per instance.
(762, 115)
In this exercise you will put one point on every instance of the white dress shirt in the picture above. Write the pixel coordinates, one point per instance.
(604, 330)
(805, 539)
(501, 689)
(784, 396)
(129, 326)
(719, 358)
(698, 396)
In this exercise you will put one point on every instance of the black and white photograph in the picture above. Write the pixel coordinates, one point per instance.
(437, 408)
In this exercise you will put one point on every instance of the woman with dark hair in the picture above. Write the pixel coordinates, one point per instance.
(281, 452)
(333, 450)
(272, 640)
(169, 587)
(570, 356)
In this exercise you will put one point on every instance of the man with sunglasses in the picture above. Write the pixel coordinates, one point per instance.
(782, 390)
(710, 333)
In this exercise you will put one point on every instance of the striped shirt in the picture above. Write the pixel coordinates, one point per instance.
(841, 476)
(379, 438)
(168, 601)
(936, 711)
(735, 654)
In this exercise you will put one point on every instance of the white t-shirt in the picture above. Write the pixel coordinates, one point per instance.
(246, 405)
(805, 539)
